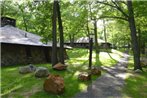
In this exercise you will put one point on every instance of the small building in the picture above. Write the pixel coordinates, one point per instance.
(83, 42)
(21, 47)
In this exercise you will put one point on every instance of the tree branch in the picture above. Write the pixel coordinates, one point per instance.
(123, 2)
(90, 12)
(106, 4)
(119, 8)
(114, 17)
(114, 6)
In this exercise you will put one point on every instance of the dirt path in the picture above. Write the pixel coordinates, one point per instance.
(110, 84)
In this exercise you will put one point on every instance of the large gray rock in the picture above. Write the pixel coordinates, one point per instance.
(143, 62)
(138, 71)
(41, 72)
(27, 69)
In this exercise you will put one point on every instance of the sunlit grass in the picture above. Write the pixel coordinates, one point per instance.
(18, 86)
(136, 84)
(106, 60)
(82, 86)
(104, 57)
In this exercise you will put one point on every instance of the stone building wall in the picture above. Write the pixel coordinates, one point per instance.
(12, 54)
(38, 55)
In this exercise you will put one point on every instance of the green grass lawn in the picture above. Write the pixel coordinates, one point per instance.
(15, 85)
(136, 84)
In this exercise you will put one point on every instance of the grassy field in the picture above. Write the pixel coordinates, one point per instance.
(15, 85)
(136, 84)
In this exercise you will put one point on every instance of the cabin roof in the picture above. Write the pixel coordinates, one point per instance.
(86, 40)
(13, 35)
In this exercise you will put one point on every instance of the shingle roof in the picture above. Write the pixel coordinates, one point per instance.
(13, 35)
(86, 40)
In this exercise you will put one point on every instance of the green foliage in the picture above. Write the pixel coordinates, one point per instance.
(141, 21)
(75, 14)
(120, 34)
(6, 5)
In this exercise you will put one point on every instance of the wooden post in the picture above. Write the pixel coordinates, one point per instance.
(90, 52)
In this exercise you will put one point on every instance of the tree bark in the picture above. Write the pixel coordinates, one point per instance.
(95, 39)
(134, 41)
(61, 34)
(105, 35)
(97, 50)
(54, 39)
(139, 40)
(71, 36)
(88, 31)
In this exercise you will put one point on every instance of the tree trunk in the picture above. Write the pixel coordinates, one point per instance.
(71, 36)
(95, 39)
(97, 50)
(54, 39)
(105, 35)
(61, 34)
(139, 40)
(25, 24)
(88, 31)
(134, 41)
(143, 48)
(141, 43)
(70, 39)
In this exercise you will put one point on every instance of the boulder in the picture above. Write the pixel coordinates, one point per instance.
(138, 71)
(33, 68)
(41, 72)
(54, 84)
(95, 71)
(143, 63)
(27, 69)
(84, 76)
(59, 66)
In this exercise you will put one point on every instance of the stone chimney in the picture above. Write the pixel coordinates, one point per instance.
(8, 21)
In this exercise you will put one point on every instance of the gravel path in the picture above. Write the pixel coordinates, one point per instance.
(109, 85)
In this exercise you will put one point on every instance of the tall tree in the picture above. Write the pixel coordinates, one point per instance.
(54, 34)
(105, 35)
(96, 37)
(134, 40)
(61, 34)
(129, 17)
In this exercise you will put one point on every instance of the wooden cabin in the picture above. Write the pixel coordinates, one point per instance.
(83, 42)
(21, 47)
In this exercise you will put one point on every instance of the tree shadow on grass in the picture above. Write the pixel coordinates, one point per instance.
(112, 57)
